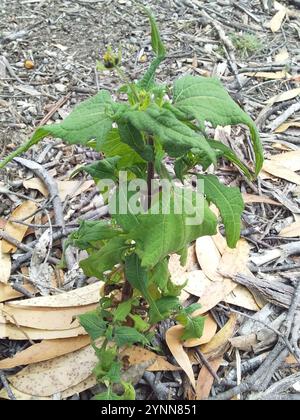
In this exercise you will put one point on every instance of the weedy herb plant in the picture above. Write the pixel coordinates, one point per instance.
(130, 252)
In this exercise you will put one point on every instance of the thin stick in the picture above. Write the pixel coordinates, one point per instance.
(3, 379)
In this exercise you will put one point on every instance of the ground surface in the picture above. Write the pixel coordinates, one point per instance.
(61, 41)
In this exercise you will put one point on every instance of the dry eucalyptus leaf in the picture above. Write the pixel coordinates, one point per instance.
(285, 96)
(284, 127)
(57, 375)
(5, 266)
(208, 257)
(292, 231)
(46, 350)
(80, 297)
(278, 75)
(8, 293)
(280, 171)
(205, 379)
(252, 198)
(197, 283)
(277, 20)
(13, 332)
(241, 297)
(217, 346)
(290, 160)
(173, 340)
(24, 212)
(136, 355)
(45, 318)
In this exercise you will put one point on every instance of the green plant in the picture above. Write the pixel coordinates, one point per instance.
(130, 252)
(246, 43)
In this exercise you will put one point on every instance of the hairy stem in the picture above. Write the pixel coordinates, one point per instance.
(150, 177)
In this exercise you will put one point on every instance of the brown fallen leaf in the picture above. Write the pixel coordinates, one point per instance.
(281, 171)
(13, 332)
(80, 297)
(241, 297)
(277, 20)
(252, 198)
(292, 231)
(285, 96)
(208, 257)
(217, 346)
(136, 355)
(36, 184)
(220, 242)
(278, 75)
(8, 293)
(46, 350)
(232, 262)
(177, 271)
(47, 378)
(45, 318)
(24, 212)
(173, 340)
(197, 283)
(5, 266)
(205, 379)
(244, 342)
(290, 160)
(82, 386)
(284, 127)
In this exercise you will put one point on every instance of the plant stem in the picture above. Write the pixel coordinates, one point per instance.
(150, 177)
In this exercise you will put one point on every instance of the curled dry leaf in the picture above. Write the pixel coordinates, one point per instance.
(173, 339)
(136, 355)
(208, 257)
(8, 293)
(46, 350)
(24, 212)
(217, 346)
(45, 318)
(205, 379)
(5, 266)
(57, 375)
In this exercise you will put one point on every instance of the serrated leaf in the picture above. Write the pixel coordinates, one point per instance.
(166, 305)
(175, 136)
(89, 120)
(104, 169)
(104, 259)
(93, 324)
(230, 203)
(173, 228)
(126, 336)
(122, 311)
(194, 328)
(139, 324)
(156, 41)
(160, 274)
(134, 139)
(205, 99)
(92, 232)
(139, 278)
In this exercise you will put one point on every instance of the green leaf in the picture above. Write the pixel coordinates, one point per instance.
(125, 336)
(205, 99)
(158, 235)
(89, 120)
(176, 137)
(107, 395)
(160, 274)
(92, 232)
(133, 138)
(230, 203)
(139, 278)
(104, 169)
(104, 259)
(122, 311)
(113, 375)
(156, 41)
(229, 154)
(139, 324)
(166, 305)
(194, 328)
(93, 324)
